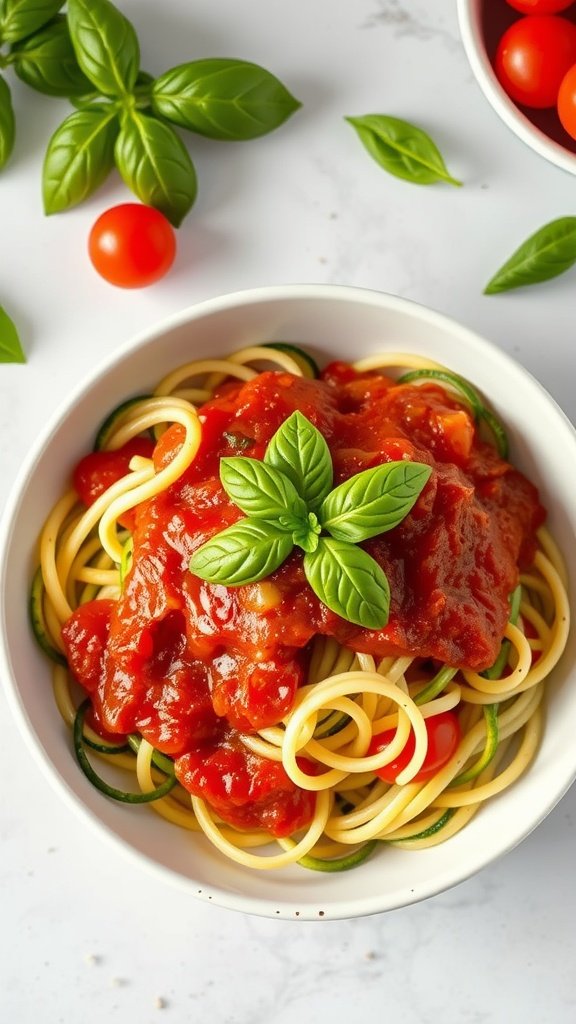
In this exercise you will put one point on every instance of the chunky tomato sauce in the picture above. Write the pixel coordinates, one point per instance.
(190, 664)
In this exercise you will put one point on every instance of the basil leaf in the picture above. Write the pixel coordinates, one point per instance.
(402, 149)
(20, 18)
(299, 451)
(79, 157)
(223, 99)
(349, 582)
(10, 348)
(545, 254)
(7, 125)
(106, 45)
(262, 492)
(155, 164)
(373, 501)
(46, 61)
(243, 553)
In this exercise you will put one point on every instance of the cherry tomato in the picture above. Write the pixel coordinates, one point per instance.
(132, 245)
(539, 6)
(97, 471)
(533, 56)
(567, 101)
(443, 739)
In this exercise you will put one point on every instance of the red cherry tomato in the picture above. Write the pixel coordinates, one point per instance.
(443, 739)
(132, 245)
(567, 101)
(533, 56)
(97, 471)
(540, 6)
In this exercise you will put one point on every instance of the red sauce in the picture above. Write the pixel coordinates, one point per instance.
(190, 664)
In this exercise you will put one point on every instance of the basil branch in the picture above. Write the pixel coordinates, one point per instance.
(289, 502)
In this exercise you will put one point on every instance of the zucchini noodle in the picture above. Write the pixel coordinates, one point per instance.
(348, 697)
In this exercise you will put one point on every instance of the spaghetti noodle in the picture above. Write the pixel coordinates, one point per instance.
(336, 759)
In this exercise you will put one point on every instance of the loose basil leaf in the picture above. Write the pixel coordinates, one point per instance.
(262, 492)
(79, 157)
(106, 45)
(349, 582)
(10, 348)
(19, 18)
(155, 164)
(243, 553)
(223, 99)
(299, 451)
(547, 253)
(373, 501)
(7, 125)
(46, 61)
(402, 149)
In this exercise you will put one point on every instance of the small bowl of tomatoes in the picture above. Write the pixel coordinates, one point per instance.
(523, 55)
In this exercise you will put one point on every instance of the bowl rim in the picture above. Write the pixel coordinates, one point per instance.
(359, 906)
(469, 23)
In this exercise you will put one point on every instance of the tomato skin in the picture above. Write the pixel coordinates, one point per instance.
(566, 102)
(132, 245)
(532, 58)
(97, 471)
(540, 6)
(443, 739)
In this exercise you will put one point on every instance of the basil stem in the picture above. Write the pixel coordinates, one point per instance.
(79, 157)
(19, 20)
(7, 126)
(154, 162)
(10, 348)
(550, 251)
(105, 44)
(402, 149)
(223, 99)
(46, 61)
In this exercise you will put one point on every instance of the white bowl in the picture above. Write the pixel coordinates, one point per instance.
(482, 22)
(332, 322)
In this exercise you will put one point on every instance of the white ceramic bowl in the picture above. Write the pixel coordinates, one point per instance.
(482, 23)
(331, 321)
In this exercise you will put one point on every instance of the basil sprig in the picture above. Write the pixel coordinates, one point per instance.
(402, 149)
(11, 350)
(289, 502)
(220, 98)
(550, 251)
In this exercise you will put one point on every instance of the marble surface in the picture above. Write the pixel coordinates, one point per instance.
(84, 935)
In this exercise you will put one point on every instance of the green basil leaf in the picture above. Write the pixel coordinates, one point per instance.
(349, 582)
(46, 61)
(262, 492)
(20, 18)
(547, 253)
(243, 553)
(402, 149)
(7, 124)
(307, 534)
(10, 348)
(373, 501)
(106, 45)
(223, 99)
(155, 164)
(79, 157)
(299, 451)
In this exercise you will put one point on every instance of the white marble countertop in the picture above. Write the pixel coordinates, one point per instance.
(84, 935)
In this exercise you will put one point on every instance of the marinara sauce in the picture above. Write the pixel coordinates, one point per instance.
(190, 665)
